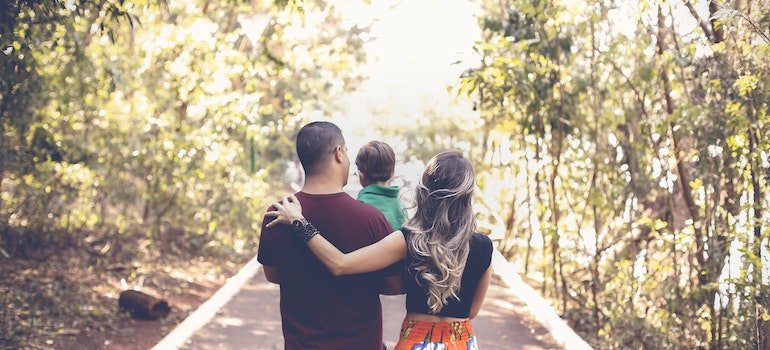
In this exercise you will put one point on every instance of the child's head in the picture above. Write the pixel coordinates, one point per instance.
(376, 162)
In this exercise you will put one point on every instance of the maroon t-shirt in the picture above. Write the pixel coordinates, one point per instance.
(319, 310)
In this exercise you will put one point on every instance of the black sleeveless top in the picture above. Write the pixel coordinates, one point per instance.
(479, 259)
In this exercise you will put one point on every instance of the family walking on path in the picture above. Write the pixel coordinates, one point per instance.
(437, 259)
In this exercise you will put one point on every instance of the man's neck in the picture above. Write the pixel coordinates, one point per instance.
(321, 185)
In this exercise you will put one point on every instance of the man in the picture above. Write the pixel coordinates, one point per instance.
(319, 310)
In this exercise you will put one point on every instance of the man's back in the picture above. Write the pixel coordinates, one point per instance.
(319, 310)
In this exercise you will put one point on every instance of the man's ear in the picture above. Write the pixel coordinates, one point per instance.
(339, 153)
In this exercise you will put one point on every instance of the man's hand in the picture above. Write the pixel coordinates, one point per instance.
(286, 211)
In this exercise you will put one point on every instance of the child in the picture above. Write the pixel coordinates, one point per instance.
(376, 162)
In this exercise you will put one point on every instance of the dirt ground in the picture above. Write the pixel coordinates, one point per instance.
(126, 333)
(64, 304)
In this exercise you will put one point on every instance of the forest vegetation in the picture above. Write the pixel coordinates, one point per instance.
(622, 149)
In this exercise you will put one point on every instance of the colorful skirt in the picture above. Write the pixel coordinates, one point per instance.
(423, 335)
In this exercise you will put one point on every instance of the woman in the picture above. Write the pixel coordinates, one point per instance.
(447, 264)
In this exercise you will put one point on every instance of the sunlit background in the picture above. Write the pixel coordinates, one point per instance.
(417, 50)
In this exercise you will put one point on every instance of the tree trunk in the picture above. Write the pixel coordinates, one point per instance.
(530, 209)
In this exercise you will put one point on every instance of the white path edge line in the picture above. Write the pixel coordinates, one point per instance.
(206, 311)
(538, 307)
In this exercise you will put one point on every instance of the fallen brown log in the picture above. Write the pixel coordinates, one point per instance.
(143, 306)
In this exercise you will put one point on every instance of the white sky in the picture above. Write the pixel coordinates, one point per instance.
(410, 60)
(416, 43)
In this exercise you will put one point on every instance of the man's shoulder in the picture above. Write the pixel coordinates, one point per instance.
(356, 204)
(367, 209)
(344, 202)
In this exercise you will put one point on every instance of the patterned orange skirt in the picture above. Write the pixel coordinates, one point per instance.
(423, 335)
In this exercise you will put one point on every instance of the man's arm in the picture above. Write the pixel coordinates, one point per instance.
(392, 285)
(271, 274)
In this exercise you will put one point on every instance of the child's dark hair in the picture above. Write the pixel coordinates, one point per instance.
(376, 161)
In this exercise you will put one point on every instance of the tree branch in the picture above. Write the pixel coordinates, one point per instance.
(703, 24)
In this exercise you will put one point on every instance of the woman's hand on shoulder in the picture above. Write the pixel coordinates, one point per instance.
(285, 211)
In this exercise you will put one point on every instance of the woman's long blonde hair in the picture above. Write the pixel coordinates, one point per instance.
(442, 226)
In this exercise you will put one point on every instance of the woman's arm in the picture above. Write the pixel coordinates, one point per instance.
(373, 257)
(481, 293)
(380, 255)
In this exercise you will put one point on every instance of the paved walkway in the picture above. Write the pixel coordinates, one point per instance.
(252, 320)
(244, 314)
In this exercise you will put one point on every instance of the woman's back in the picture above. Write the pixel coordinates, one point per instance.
(479, 260)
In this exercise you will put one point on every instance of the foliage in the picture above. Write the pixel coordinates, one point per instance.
(140, 129)
(159, 118)
(644, 147)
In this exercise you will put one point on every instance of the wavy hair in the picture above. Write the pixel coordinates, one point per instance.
(442, 226)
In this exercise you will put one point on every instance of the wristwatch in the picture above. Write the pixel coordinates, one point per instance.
(304, 229)
(299, 224)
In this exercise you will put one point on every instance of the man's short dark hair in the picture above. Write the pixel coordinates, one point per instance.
(316, 142)
(376, 161)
